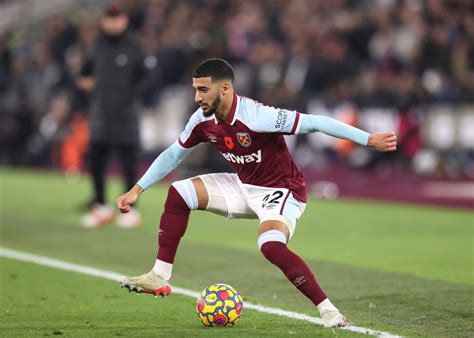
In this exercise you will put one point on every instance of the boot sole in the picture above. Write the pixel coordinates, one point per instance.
(163, 291)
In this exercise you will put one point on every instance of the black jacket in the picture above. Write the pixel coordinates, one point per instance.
(117, 65)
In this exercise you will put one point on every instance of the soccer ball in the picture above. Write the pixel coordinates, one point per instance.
(219, 305)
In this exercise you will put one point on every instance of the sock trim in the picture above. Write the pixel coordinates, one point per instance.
(271, 236)
(326, 305)
(188, 192)
(163, 269)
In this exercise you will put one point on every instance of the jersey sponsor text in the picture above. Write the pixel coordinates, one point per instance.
(281, 118)
(253, 157)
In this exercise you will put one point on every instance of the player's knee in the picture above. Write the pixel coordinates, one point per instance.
(182, 196)
(281, 224)
(201, 191)
(269, 241)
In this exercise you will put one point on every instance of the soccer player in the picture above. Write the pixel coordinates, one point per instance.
(267, 185)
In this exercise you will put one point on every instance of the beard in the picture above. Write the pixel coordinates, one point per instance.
(213, 107)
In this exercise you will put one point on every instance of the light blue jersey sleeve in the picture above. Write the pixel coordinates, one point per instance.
(164, 164)
(312, 123)
(266, 119)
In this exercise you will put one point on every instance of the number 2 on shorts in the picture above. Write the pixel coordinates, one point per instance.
(276, 195)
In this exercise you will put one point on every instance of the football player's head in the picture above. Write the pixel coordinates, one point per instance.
(212, 80)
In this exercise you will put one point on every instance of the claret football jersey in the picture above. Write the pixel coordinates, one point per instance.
(251, 140)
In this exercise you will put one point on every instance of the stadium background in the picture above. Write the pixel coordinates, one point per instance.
(406, 66)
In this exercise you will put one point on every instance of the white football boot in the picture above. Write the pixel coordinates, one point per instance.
(129, 220)
(148, 283)
(333, 318)
(98, 216)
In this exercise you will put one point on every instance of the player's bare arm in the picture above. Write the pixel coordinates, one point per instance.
(384, 142)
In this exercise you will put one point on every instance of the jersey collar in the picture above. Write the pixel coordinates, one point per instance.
(230, 120)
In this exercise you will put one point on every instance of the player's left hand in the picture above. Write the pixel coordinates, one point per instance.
(383, 141)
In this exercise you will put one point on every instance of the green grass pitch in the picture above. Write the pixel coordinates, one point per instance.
(399, 268)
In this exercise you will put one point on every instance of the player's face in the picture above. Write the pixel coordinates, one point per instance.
(207, 94)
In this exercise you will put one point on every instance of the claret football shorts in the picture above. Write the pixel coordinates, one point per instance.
(229, 197)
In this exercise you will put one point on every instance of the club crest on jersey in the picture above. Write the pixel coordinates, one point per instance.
(244, 139)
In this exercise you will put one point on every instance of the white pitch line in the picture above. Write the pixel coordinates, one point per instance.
(87, 270)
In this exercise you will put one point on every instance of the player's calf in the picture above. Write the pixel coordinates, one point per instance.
(182, 198)
(174, 220)
(273, 246)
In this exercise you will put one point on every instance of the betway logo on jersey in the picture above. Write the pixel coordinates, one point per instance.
(253, 157)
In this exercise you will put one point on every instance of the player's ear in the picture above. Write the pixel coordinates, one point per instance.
(225, 88)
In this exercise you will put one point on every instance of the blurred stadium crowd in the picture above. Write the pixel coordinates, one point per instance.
(403, 65)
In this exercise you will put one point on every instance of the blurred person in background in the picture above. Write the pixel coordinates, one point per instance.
(409, 134)
(113, 73)
(44, 146)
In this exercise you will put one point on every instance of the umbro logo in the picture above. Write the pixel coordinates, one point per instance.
(212, 138)
(299, 280)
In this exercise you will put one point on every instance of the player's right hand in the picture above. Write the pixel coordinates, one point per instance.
(125, 201)
(383, 141)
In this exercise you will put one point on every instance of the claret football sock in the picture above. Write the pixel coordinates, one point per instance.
(295, 269)
(173, 224)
